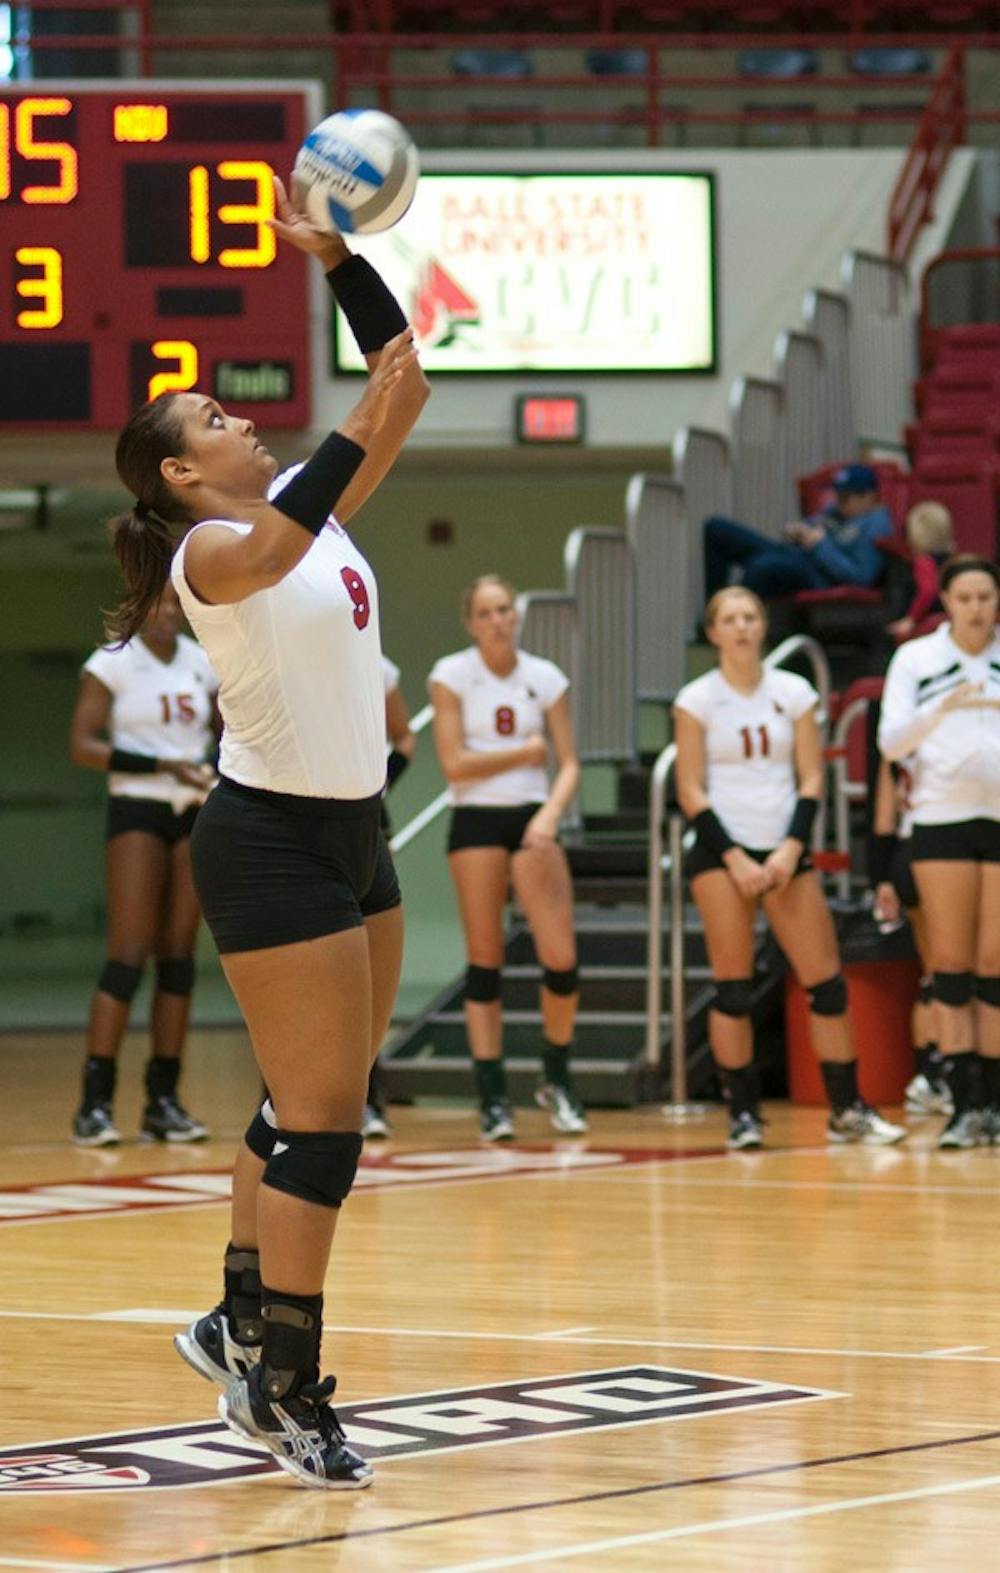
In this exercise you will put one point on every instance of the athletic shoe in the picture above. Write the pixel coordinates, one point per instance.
(923, 1096)
(564, 1108)
(94, 1127)
(989, 1128)
(495, 1123)
(374, 1124)
(745, 1132)
(963, 1130)
(163, 1120)
(210, 1349)
(302, 1432)
(861, 1123)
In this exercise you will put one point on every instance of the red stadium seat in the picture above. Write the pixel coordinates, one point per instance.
(954, 390)
(968, 489)
(953, 436)
(816, 491)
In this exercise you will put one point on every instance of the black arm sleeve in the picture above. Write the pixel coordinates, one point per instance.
(373, 313)
(123, 760)
(803, 819)
(312, 495)
(712, 833)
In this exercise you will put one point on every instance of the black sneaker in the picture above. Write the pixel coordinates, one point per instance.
(302, 1432)
(745, 1132)
(163, 1120)
(374, 1125)
(209, 1348)
(962, 1130)
(94, 1127)
(495, 1123)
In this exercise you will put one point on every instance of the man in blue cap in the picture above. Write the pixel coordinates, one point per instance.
(839, 546)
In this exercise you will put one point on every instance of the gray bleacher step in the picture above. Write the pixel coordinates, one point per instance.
(523, 1018)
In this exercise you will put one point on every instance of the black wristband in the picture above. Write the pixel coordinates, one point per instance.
(395, 765)
(123, 760)
(373, 313)
(311, 496)
(880, 851)
(803, 819)
(712, 833)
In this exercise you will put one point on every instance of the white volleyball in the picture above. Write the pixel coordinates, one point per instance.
(357, 172)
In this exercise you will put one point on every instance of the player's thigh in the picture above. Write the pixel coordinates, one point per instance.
(481, 876)
(728, 922)
(988, 928)
(180, 911)
(949, 897)
(801, 923)
(544, 889)
(137, 872)
(385, 960)
(308, 1009)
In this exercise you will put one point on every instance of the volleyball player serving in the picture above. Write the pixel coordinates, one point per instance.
(493, 705)
(749, 778)
(145, 713)
(290, 863)
(941, 712)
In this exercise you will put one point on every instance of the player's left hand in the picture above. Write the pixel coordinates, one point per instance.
(291, 224)
(782, 863)
(540, 831)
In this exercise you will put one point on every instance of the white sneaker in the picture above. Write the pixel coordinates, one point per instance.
(861, 1123)
(564, 1109)
(374, 1125)
(927, 1097)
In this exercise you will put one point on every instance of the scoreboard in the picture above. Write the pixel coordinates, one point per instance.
(136, 257)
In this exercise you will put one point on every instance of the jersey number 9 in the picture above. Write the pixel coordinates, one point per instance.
(355, 587)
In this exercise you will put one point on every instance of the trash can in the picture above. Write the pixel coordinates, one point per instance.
(882, 973)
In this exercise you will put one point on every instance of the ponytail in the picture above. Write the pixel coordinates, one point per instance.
(144, 545)
(145, 538)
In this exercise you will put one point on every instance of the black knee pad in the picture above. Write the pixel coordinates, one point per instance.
(316, 1166)
(988, 990)
(119, 981)
(954, 988)
(925, 991)
(482, 984)
(262, 1132)
(828, 998)
(566, 982)
(733, 996)
(175, 977)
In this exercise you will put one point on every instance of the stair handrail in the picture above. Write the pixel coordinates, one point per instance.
(796, 645)
(431, 810)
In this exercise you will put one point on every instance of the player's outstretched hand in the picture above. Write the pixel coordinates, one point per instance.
(291, 224)
(395, 358)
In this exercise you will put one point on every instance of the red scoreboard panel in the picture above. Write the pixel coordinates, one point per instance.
(135, 254)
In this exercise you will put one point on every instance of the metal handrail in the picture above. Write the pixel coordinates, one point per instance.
(798, 644)
(844, 791)
(431, 810)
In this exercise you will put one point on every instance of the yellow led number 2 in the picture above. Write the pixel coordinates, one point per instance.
(183, 375)
(257, 213)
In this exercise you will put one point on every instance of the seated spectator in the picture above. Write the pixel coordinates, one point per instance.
(931, 538)
(838, 546)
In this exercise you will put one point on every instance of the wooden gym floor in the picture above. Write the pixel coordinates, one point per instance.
(634, 1352)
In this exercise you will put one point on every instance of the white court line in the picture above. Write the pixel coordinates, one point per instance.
(599, 1340)
(560, 1332)
(54, 1567)
(736, 1183)
(715, 1526)
(959, 1349)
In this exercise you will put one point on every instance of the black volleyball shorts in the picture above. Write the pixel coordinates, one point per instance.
(151, 815)
(274, 869)
(490, 827)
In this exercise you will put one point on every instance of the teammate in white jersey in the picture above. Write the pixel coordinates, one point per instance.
(749, 778)
(289, 859)
(941, 712)
(145, 714)
(493, 707)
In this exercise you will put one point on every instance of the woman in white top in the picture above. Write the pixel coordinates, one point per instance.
(145, 714)
(941, 712)
(290, 863)
(749, 778)
(493, 706)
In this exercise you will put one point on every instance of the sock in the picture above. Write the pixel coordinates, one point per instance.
(162, 1075)
(100, 1072)
(990, 1068)
(241, 1300)
(555, 1063)
(293, 1327)
(491, 1080)
(928, 1061)
(962, 1075)
(841, 1083)
(742, 1088)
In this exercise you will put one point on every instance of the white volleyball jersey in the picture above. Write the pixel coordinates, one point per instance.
(302, 692)
(750, 751)
(160, 708)
(954, 759)
(501, 712)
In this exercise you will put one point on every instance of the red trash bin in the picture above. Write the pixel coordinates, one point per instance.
(880, 995)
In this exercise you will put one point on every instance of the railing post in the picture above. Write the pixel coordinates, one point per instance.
(654, 934)
(678, 992)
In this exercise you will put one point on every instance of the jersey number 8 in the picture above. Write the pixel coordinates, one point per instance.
(504, 720)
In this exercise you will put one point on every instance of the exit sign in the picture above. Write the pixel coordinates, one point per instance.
(554, 417)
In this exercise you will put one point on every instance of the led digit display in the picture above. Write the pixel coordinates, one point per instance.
(136, 254)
